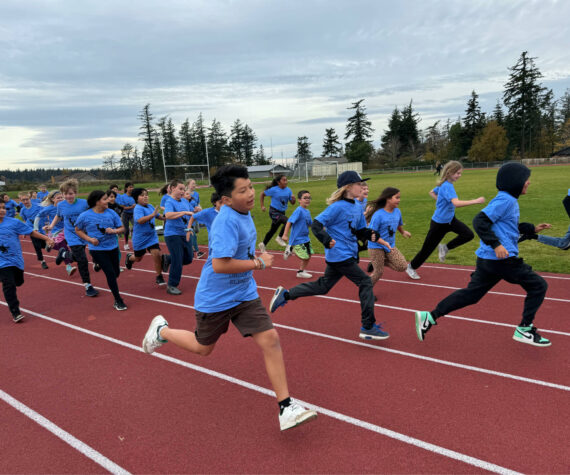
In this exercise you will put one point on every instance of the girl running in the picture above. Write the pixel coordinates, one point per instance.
(99, 226)
(300, 243)
(28, 212)
(443, 220)
(281, 195)
(338, 227)
(128, 205)
(385, 218)
(145, 238)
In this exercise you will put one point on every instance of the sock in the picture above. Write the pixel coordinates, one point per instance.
(159, 335)
(435, 314)
(299, 271)
(283, 404)
(87, 285)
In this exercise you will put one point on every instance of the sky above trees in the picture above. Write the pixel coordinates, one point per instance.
(75, 75)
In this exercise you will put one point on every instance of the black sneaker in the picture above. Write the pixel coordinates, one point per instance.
(60, 256)
(160, 280)
(120, 306)
(128, 262)
(165, 262)
(200, 254)
(44, 265)
(91, 291)
(96, 267)
(17, 318)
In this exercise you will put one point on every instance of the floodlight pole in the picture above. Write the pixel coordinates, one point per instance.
(164, 164)
(207, 159)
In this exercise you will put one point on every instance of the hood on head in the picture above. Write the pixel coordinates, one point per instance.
(511, 178)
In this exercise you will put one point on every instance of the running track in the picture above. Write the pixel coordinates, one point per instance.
(79, 396)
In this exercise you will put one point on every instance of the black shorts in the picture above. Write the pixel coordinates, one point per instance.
(142, 252)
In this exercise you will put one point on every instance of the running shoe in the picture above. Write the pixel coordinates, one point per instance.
(412, 272)
(442, 251)
(44, 265)
(91, 291)
(96, 267)
(295, 415)
(126, 247)
(424, 321)
(165, 258)
(200, 254)
(61, 255)
(128, 262)
(119, 305)
(70, 269)
(152, 339)
(530, 336)
(17, 317)
(278, 299)
(279, 240)
(287, 253)
(173, 290)
(261, 247)
(374, 333)
(160, 280)
(303, 275)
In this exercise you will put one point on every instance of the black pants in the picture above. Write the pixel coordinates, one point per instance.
(278, 218)
(79, 256)
(109, 262)
(487, 274)
(333, 273)
(127, 218)
(39, 244)
(11, 277)
(436, 233)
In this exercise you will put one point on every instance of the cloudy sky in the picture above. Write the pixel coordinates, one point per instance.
(75, 74)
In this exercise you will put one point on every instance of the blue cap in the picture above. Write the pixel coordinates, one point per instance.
(348, 178)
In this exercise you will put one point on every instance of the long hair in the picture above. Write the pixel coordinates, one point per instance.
(449, 169)
(380, 202)
(338, 194)
(48, 200)
(275, 182)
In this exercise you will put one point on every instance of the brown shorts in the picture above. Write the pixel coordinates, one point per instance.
(248, 317)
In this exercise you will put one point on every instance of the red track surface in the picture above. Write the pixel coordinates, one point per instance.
(469, 388)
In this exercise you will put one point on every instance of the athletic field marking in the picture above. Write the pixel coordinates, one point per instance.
(267, 392)
(81, 447)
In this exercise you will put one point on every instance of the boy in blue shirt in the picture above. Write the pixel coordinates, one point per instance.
(11, 206)
(11, 260)
(227, 291)
(497, 259)
(300, 243)
(28, 213)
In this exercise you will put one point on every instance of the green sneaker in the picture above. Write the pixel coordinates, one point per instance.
(424, 322)
(530, 336)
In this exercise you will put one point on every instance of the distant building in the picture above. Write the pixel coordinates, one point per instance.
(84, 177)
(564, 152)
(268, 171)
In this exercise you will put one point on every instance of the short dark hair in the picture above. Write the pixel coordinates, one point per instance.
(113, 185)
(215, 198)
(111, 192)
(137, 192)
(302, 192)
(225, 178)
(95, 196)
(174, 183)
(127, 184)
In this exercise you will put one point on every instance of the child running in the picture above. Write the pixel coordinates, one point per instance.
(127, 204)
(11, 259)
(99, 226)
(300, 243)
(68, 210)
(194, 199)
(559, 242)
(28, 213)
(11, 206)
(498, 259)
(385, 218)
(43, 193)
(443, 220)
(145, 238)
(338, 227)
(281, 195)
(227, 291)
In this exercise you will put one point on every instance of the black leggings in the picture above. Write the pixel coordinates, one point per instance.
(125, 219)
(11, 277)
(39, 244)
(109, 262)
(278, 218)
(78, 254)
(436, 233)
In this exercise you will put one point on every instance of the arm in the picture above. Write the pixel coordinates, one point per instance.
(433, 194)
(460, 204)
(37, 223)
(261, 199)
(56, 219)
(146, 219)
(285, 236)
(43, 237)
(404, 233)
(118, 230)
(482, 225)
(227, 265)
(177, 214)
(321, 234)
(84, 236)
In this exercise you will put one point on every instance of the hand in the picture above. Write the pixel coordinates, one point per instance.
(407, 234)
(541, 226)
(480, 200)
(332, 243)
(262, 208)
(374, 237)
(384, 243)
(197, 209)
(267, 258)
(50, 242)
(285, 237)
(110, 231)
(501, 252)
(94, 241)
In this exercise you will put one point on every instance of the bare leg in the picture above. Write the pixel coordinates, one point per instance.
(155, 253)
(274, 364)
(186, 340)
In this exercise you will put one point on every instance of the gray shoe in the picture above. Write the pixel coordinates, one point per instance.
(173, 290)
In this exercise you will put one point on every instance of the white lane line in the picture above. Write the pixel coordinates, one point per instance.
(379, 348)
(81, 447)
(333, 414)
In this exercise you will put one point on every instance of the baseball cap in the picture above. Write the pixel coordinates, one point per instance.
(348, 178)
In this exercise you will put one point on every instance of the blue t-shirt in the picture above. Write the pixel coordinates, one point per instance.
(42, 194)
(444, 208)
(340, 218)
(194, 200)
(363, 203)
(206, 217)
(69, 214)
(503, 211)
(125, 200)
(385, 224)
(144, 235)
(10, 248)
(94, 224)
(280, 197)
(232, 235)
(163, 200)
(46, 215)
(29, 214)
(300, 223)
(178, 226)
(10, 208)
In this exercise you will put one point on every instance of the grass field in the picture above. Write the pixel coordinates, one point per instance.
(543, 203)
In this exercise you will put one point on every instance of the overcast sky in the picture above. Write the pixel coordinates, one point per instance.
(75, 74)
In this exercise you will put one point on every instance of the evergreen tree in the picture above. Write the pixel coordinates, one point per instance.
(358, 133)
(303, 150)
(217, 145)
(198, 142)
(498, 114)
(168, 140)
(408, 130)
(249, 140)
(146, 131)
(564, 110)
(456, 147)
(259, 158)
(331, 146)
(391, 143)
(185, 142)
(236, 142)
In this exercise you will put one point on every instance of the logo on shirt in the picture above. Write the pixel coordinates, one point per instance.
(250, 254)
(391, 232)
(71, 221)
(184, 219)
(100, 229)
(4, 249)
(283, 202)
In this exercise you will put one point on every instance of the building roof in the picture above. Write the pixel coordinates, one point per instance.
(267, 168)
(564, 152)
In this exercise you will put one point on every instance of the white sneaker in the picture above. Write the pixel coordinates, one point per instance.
(126, 247)
(295, 415)
(152, 340)
(304, 275)
(287, 253)
(412, 272)
(261, 246)
(442, 251)
(279, 240)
